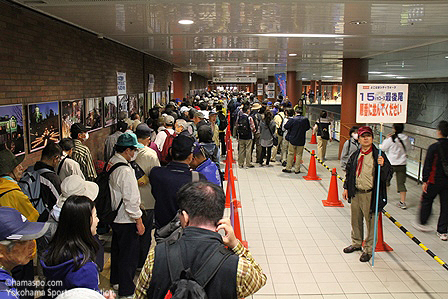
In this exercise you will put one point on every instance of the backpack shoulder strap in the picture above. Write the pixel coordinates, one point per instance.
(194, 176)
(1, 195)
(60, 165)
(401, 141)
(174, 258)
(115, 166)
(168, 134)
(211, 266)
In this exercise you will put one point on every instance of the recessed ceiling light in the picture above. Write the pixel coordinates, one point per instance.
(358, 22)
(265, 68)
(292, 54)
(389, 75)
(375, 73)
(211, 60)
(226, 49)
(185, 22)
(253, 73)
(327, 76)
(400, 77)
(300, 35)
(446, 57)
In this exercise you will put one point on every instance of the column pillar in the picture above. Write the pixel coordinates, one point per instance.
(354, 71)
(179, 82)
(291, 87)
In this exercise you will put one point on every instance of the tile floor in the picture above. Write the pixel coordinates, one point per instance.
(299, 242)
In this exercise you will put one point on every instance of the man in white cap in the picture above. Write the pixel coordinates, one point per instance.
(162, 135)
(17, 246)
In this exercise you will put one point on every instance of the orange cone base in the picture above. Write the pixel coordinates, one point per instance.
(312, 178)
(238, 204)
(380, 246)
(328, 203)
(234, 178)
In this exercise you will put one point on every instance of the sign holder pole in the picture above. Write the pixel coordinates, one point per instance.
(375, 233)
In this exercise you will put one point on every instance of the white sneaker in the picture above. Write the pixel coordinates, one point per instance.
(443, 237)
(421, 227)
(401, 205)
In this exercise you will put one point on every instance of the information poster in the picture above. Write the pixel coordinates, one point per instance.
(382, 103)
(121, 83)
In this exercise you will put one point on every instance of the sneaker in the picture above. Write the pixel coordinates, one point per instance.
(422, 227)
(365, 257)
(443, 237)
(286, 170)
(401, 205)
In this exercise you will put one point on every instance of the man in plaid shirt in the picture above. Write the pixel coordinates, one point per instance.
(81, 153)
(201, 210)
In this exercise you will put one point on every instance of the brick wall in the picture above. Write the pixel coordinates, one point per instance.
(43, 59)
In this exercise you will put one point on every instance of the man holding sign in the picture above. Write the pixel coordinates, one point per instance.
(360, 186)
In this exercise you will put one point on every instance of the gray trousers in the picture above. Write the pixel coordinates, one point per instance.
(360, 211)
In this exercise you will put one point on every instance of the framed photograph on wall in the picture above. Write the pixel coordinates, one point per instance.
(71, 112)
(43, 124)
(94, 112)
(148, 103)
(141, 106)
(123, 104)
(163, 98)
(158, 97)
(132, 104)
(110, 110)
(11, 129)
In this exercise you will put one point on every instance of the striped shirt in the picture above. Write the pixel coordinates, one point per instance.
(81, 154)
(249, 277)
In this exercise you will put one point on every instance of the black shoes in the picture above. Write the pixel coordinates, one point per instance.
(284, 163)
(286, 170)
(297, 172)
(351, 249)
(365, 257)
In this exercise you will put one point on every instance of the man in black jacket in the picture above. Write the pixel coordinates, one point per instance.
(201, 208)
(435, 181)
(361, 186)
(296, 136)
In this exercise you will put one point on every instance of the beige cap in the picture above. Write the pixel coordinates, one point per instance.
(75, 185)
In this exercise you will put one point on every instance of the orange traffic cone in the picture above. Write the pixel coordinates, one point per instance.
(312, 175)
(236, 224)
(313, 139)
(380, 244)
(333, 196)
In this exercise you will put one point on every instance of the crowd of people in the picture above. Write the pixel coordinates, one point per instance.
(164, 176)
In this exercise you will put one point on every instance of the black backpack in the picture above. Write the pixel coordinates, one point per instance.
(280, 130)
(243, 129)
(103, 201)
(222, 122)
(323, 130)
(188, 285)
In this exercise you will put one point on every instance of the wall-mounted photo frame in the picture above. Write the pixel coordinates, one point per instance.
(148, 104)
(94, 114)
(110, 111)
(141, 106)
(71, 112)
(132, 104)
(43, 124)
(11, 129)
(163, 98)
(158, 97)
(123, 104)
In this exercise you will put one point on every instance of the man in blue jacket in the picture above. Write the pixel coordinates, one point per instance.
(204, 165)
(296, 136)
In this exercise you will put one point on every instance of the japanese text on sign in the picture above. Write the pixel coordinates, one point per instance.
(382, 103)
(121, 83)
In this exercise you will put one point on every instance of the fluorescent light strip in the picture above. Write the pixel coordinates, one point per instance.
(225, 50)
(262, 63)
(300, 35)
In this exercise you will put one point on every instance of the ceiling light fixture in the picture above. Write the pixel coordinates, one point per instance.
(185, 22)
(446, 57)
(327, 76)
(300, 35)
(292, 54)
(389, 75)
(358, 22)
(211, 60)
(226, 50)
(375, 73)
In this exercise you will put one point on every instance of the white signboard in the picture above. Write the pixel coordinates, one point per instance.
(150, 83)
(382, 103)
(271, 86)
(234, 79)
(121, 83)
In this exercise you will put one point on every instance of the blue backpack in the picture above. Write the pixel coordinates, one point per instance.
(30, 185)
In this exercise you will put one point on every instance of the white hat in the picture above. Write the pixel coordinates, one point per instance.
(80, 293)
(184, 109)
(75, 185)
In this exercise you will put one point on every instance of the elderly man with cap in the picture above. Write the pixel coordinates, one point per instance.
(128, 225)
(213, 124)
(361, 186)
(204, 165)
(199, 119)
(162, 135)
(17, 247)
(81, 153)
(146, 159)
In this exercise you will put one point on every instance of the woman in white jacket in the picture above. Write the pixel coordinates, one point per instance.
(396, 146)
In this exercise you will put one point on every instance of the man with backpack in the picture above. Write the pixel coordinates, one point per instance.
(256, 116)
(435, 182)
(198, 265)
(245, 128)
(127, 225)
(68, 166)
(323, 130)
(222, 126)
(41, 183)
(278, 119)
(164, 139)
